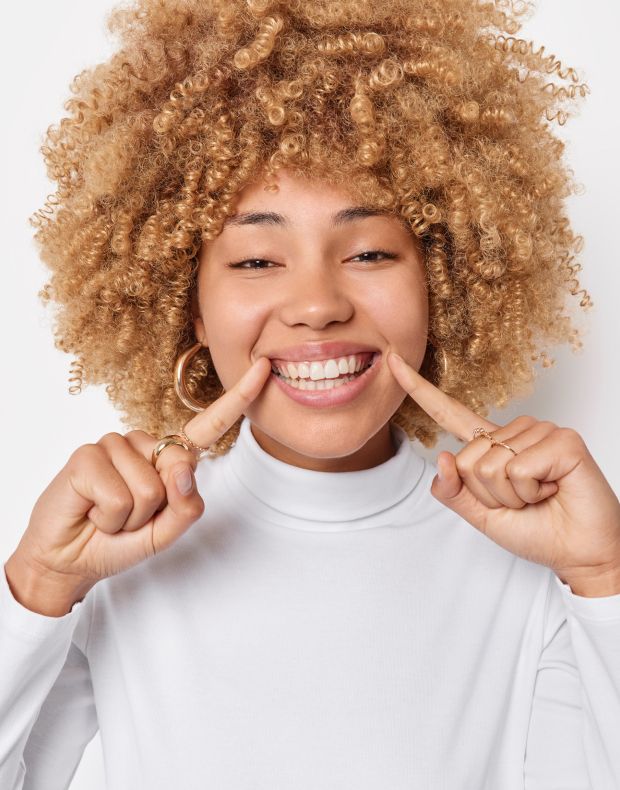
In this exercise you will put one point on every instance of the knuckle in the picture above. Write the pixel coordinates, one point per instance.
(119, 504)
(524, 421)
(218, 424)
(182, 465)
(570, 436)
(484, 470)
(516, 469)
(442, 414)
(547, 424)
(136, 433)
(85, 453)
(244, 393)
(193, 508)
(110, 438)
(150, 493)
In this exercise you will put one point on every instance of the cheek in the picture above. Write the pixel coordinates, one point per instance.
(233, 326)
(400, 313)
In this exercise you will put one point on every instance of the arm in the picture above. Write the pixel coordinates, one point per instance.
(47, 712)
(574, 735)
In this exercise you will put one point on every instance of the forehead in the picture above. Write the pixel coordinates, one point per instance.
(287, 211)
(304, 204)
(339, 218)
(300, 199)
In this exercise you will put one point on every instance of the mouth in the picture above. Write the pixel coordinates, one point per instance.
(326, 374)
(333, 391)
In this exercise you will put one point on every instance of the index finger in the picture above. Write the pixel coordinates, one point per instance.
(448, 412)
(207, 426)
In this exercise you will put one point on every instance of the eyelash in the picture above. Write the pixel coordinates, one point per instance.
(241, 265)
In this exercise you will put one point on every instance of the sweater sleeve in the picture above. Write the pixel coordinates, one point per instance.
(47, 711)
(574, 733)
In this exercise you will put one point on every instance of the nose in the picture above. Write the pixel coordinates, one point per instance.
(315, 298)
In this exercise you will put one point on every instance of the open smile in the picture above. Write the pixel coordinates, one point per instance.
(330, 392)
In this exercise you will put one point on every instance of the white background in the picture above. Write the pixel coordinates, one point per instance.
(45, 44)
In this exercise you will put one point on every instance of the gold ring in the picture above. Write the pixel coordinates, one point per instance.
(201, 450)
(483, 432)
(503, 444)
(172, 438)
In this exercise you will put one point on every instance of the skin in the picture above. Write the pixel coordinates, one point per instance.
(543, 497)
(313, 288)
(534, 488)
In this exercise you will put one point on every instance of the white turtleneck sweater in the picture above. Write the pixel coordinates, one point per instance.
(318, 631)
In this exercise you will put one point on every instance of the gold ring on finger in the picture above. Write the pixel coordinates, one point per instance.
(201, 450)
(164, 442)
(503, 444)
(483, 432)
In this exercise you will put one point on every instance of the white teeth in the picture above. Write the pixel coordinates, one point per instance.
(331, 369)
(317, 371)
(322, 384)
(320, 371)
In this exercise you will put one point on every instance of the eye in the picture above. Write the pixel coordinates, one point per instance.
(242, 264)
(260, 261)
(384, 253)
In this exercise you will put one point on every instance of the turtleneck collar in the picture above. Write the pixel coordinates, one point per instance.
(327, 501)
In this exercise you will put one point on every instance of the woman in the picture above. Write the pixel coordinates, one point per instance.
(331, 230)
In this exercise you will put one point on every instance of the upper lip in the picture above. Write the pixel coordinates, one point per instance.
(306, 352)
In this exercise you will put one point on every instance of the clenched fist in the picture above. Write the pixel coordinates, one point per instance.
(109, 509)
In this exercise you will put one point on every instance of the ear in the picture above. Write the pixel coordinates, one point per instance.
(199, 327)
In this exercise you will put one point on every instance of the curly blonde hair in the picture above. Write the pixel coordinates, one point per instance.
(430, 109)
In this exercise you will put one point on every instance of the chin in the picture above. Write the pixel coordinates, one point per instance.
(320, 436)
(330, 448)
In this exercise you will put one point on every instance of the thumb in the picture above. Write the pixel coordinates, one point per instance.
(449, 489)
(184, 507)
(447, 482)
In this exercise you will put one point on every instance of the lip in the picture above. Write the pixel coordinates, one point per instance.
(332, 397)
(307, 352)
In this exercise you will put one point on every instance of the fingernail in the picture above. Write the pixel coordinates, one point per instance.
(185, 481)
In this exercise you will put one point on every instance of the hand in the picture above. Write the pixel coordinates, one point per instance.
(549, 504)
(109, 508)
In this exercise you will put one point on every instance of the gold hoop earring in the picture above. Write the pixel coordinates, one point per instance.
(179, 379)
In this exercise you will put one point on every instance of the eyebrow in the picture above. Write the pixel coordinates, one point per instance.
(272, 218)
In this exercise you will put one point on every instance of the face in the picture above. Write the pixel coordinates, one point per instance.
(307, 284)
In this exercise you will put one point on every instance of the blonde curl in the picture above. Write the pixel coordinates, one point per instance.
(431, 109)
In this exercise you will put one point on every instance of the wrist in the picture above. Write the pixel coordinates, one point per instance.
(593, 584)
(41, 590)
